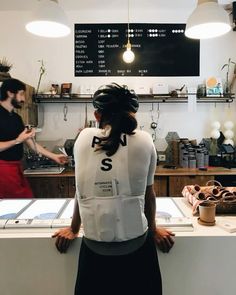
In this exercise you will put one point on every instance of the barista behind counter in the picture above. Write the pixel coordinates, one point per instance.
(13, 134)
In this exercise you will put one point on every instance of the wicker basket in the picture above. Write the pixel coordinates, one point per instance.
(223, 197)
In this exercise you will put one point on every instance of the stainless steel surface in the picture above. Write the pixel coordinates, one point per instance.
(49, 170)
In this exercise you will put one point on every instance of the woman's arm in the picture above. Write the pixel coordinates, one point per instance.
(163, 237)
(65, 236)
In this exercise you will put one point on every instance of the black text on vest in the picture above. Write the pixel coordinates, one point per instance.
(124, 142)
(106, 164)
(97, 140)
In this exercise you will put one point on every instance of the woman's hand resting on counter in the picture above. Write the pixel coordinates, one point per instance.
(164, 239)
(64, 237)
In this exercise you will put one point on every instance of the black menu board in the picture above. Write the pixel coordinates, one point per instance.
(160, 50)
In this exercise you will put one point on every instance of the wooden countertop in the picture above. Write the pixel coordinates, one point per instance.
(160, 171)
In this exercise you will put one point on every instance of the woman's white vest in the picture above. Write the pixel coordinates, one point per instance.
(113, 218)
(109, 208)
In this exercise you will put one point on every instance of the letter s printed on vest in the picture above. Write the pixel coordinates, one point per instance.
(106, 164)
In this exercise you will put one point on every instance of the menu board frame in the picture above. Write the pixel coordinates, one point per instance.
(160, 50)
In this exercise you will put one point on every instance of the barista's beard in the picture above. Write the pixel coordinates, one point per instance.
(16, 104)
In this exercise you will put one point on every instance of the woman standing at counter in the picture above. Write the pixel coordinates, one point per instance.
(114, 171)
(13, 134)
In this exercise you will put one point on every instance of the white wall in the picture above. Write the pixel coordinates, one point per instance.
(24, 50)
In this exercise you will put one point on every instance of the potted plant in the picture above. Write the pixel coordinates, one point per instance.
(42, 71)
(228, 85)
(5, 67)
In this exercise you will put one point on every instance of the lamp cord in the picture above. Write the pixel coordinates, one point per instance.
(128, 22)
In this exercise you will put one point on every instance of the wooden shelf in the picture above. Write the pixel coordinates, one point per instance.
(72, 98)
(143, 98)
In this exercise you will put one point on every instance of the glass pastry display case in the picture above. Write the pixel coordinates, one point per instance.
(39, 213)
(54, 213)
(9, 209)
(169, 215)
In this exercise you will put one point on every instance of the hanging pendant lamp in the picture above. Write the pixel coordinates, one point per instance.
(128, 55)
(49, 20)
(208, 20)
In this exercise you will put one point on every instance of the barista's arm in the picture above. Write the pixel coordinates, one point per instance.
(65, 236)
(22, 137)
(58, 158)
(162, 236)
(5, 145)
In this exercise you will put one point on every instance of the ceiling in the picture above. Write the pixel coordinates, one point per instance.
(95, 4)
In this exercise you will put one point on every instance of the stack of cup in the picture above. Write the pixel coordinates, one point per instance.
(207, 212)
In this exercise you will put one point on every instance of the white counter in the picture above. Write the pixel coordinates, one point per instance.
(201, 262)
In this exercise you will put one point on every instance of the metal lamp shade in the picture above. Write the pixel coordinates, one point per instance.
(208, 20)
(49, 20)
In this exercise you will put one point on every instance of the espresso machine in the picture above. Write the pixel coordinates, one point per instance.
(36, 161)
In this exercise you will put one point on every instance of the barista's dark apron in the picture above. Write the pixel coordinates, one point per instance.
(13, 184)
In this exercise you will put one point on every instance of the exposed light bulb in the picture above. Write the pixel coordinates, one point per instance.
(128, 55)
